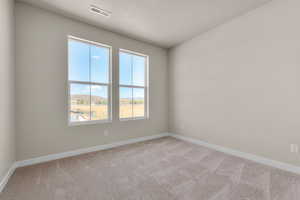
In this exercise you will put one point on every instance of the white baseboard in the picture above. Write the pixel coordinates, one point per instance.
(248, 156)
(7, 176)
(258, 159)
(51, 157)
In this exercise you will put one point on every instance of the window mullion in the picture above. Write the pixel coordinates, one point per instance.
(133, 86)
(99, 84)
(80, 82)
(89, 83)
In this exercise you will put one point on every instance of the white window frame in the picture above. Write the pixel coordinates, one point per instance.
(109, 85)
(145, 87)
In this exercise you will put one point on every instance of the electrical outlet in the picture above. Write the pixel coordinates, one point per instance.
(294, 148)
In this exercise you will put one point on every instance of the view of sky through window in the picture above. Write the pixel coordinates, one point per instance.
(89, 79)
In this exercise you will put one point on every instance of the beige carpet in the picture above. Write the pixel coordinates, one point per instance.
(161, 169)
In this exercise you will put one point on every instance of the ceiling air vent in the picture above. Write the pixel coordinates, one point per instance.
(100, 11)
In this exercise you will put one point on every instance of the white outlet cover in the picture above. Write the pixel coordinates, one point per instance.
(294, 148)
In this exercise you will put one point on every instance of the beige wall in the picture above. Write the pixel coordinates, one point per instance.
(236, 86)
(7, 146)
(41, 86)
(239, 85)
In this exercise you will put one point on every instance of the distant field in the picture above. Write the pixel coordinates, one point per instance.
(126, 110)
(99, 112)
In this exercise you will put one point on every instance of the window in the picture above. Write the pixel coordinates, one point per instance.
(133, 86)
(89, 81)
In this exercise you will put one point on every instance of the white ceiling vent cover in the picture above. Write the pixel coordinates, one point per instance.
(100, 11)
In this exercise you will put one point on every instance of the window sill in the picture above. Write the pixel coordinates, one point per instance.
(133, 119)
(89, 122)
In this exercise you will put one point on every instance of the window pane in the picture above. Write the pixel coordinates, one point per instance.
(99, 105)
(125, 102)
(79, 58)
(139, 63)
(99, 64)
(125, 68)
(80, 102)
(138, 102)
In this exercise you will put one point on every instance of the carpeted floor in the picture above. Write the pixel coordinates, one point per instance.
(162, 169)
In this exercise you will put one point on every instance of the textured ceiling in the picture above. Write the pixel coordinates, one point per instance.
(165, 23)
